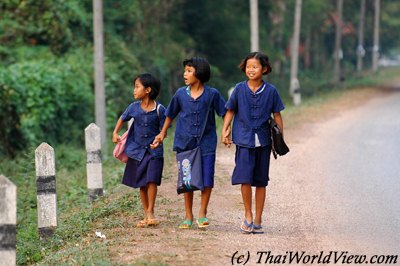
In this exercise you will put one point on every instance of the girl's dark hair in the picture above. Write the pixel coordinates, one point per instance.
(148, 80)
(202, 67)
(264, 61)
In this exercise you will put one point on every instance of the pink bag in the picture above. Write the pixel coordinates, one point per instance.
(120, 147)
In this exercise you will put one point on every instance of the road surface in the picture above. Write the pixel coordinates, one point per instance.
(338, 190)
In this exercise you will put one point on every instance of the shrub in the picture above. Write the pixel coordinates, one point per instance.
(40, 101)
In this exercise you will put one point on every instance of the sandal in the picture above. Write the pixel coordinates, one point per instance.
(153, 222)
(258, 229)
(246, 228)
(141, 224)
(203, 222)
(186, 224)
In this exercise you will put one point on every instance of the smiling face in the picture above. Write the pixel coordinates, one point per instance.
(189, 75)
(139, 91)
(254, 69)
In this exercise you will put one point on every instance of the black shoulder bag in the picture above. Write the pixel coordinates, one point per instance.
(279, 146)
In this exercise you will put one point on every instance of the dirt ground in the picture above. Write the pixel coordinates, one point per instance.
(287, 220)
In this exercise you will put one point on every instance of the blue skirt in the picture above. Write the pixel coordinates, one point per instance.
(252, 166)
(139, 173)
(208, 165)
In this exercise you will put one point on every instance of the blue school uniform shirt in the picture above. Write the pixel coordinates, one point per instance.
(146, 125)
(191, 116)
(252, 111)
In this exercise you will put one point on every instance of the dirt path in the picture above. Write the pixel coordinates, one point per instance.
(293, 200)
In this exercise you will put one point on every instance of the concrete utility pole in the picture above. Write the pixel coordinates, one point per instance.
(100, 98)
(338, 42)
(294, 63)
(254, 42)
(375, 49)
(360, 47)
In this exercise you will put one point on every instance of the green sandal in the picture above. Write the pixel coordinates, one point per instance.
(186, 224)
(203, 222)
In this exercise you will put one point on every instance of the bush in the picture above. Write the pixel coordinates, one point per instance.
(40, 101)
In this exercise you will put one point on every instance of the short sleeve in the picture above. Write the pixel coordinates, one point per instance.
(277, 104)
(219, 103)
(161, 115)
(231, 104)
(128, 113)
(174, 107)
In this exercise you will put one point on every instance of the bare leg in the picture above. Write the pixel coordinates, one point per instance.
(151, 196)
(247, 198)
(260, 200)
(145, 201)
(205, 199)
(188, 197)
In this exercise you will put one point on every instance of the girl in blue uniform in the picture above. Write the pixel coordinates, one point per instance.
(190, 104)
(252, 102)
(145, 164)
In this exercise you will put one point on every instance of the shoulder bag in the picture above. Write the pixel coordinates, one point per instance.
(190, 171)
(279, 146)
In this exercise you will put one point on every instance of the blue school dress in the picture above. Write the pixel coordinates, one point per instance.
(191, 116)
(251, 133)
(252, 111)
(144, 165)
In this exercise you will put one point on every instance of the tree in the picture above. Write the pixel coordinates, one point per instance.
(294, 82)
(100, 98)
(338, 42)
(360, 47)
(375, 49)
(254, 34)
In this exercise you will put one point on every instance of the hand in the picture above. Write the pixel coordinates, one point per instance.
(158, 140)
(116, 138)
(226, 137)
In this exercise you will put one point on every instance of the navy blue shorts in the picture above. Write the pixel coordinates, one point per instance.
(140, 173)
(252, 166)
(208, 165)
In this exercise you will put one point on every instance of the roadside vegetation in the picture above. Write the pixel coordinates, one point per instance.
(79, 219)
(46, 89)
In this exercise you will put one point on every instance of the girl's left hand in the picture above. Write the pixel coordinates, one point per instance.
(116, 138)
(226, 136)
(158, 140)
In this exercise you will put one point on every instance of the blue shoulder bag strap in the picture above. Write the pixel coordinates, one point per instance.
(205, 121)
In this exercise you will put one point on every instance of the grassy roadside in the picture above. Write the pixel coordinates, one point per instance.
(74, 241)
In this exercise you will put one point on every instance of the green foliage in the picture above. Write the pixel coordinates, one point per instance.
(43, 100)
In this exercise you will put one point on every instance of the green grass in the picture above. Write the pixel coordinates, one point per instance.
(79, 218)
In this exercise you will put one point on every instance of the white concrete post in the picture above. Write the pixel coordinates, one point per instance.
(93, 162)
(8, 221)
(46, 190)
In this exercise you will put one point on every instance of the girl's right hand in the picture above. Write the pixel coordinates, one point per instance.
(226, 136)
(116, 138)
(159, 138)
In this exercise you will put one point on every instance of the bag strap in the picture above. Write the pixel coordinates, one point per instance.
(158, 109)
(205, 121)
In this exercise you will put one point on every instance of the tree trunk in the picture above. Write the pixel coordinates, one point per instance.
(338, 42)
(100, 99)
(375, 49)
(254, 43)
(360, 47)
(294, 64)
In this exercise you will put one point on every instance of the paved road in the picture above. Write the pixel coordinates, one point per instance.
(342, 180)
(337, 190)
